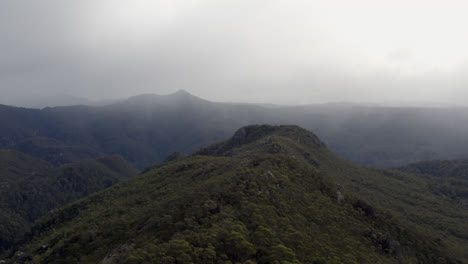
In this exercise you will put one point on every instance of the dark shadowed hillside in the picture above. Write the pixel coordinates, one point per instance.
(55, 152)
(143, 129)
(146, 128)
(30, 187)
(448, 178)
(266, 195)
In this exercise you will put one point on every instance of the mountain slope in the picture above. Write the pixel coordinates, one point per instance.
(447, 178)
(407, 196)
(54, 151)
(267, 194)
(142, 129)
(439, 168)
(30, 188)
(146, 128)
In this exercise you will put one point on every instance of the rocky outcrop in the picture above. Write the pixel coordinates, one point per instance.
(339, 193)
(389, 245)
(367, 208)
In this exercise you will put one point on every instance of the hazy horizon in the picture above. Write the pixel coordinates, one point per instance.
(70, 100)
(263, 52)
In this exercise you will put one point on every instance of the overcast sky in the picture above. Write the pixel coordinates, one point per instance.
(270, 51)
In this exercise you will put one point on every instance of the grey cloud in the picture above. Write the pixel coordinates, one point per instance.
(234, 51)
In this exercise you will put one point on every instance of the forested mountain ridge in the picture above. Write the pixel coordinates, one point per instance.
(448, 178)
(30, 187)
(142, 129)
(146, 128)
(408, 196)
(267, 194)
(439, 168)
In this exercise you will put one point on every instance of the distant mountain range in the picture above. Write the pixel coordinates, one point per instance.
(268, 194)
(57, 100)
(144, 129)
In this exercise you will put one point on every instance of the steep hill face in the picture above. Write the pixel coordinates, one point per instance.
(447, 178)
(408, 196)
(146, 128)
(55, 152)
(142, 129)
(268, 194)
(439, 168)
(30, 187)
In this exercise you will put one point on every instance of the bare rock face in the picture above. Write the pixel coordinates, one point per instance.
(339, 196)
(339, 193)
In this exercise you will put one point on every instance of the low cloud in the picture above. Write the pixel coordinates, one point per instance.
(292, 52)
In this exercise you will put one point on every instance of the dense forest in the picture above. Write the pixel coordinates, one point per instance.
(447, 178)
(233, 132)
(145, 129)
(30, 188)
(269, 194)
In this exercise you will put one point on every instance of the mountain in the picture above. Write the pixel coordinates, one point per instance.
(48, 101)
(269, 194)
(142, 129)
(387, 136)
(448, 178)
(410, 197)
(54, 151)
(58, 100)
(146, 128)
(30, 187)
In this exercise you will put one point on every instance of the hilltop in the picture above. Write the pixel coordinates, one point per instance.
(269, 193)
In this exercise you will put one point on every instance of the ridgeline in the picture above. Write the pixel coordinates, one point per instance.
(267, 195)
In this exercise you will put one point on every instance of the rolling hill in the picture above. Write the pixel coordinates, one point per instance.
(269, 194)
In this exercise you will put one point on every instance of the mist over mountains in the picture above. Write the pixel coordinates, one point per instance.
(198, 202)
(146, 128)
(312, 132)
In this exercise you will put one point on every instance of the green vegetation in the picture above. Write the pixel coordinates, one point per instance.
(145, 129)
(267, 195)
(410, 197)
(448, 178)
(55, 152)
(30, 187)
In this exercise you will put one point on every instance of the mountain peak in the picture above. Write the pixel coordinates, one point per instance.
(263, 134)
(249, 206)
(178, 97)
(182, 92)
(251, 133)
(183, 95)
